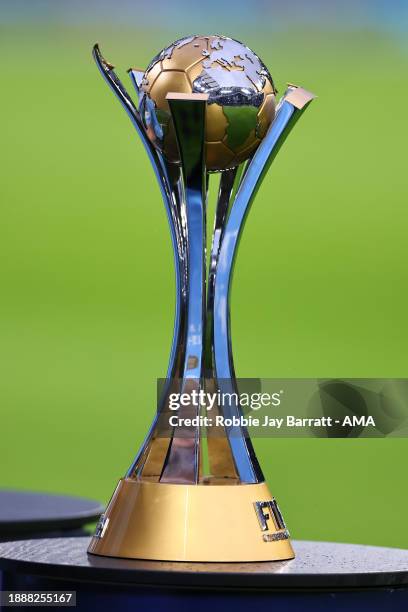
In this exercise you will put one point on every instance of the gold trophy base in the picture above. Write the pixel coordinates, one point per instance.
(177, 522)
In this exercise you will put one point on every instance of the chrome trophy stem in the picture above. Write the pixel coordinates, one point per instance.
(188, 112)
(228, 184)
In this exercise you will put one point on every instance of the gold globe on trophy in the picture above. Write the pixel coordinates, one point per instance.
(241, 97)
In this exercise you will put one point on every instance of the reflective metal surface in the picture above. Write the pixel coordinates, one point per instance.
(269, 511)
(241, 97)
(170, 183)
(156, 520)
(201, 353)
(219, 452)
(242, 450)
(188, 113)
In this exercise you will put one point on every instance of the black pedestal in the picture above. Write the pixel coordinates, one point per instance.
(324, 576)
(25, 514)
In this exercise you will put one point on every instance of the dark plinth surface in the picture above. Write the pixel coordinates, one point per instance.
(318, 565)
(23, 512)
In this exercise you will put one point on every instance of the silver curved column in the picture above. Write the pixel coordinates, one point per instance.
(170, 182)
(291, 106)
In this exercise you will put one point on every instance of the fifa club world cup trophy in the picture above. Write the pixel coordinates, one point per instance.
(205, 104)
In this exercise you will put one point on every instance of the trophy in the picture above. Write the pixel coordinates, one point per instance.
(206, 104)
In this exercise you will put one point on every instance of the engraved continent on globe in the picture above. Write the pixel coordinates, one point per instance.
(241, 97)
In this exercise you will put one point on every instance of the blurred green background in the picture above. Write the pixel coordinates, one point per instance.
(87, 283)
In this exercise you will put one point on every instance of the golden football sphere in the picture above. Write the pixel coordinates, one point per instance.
(241, 97)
